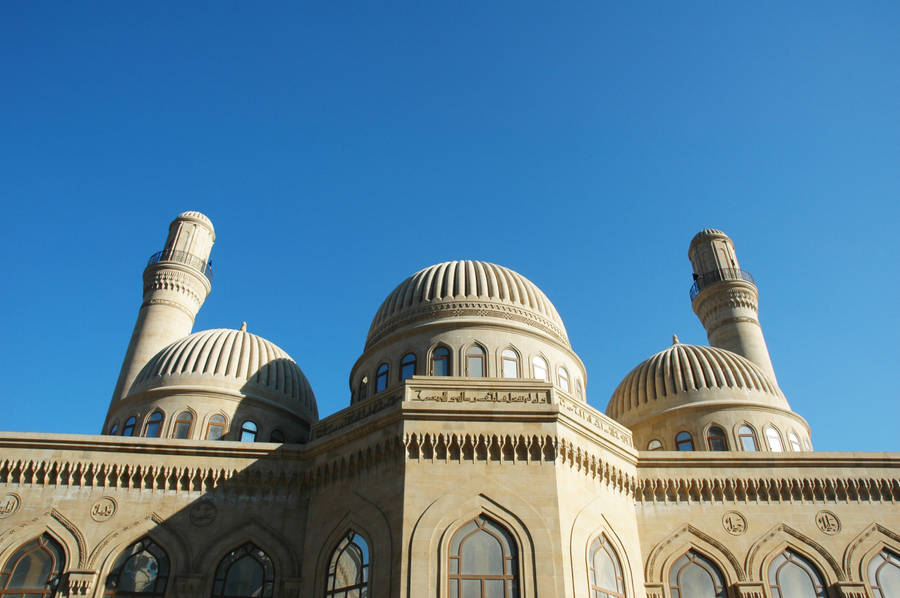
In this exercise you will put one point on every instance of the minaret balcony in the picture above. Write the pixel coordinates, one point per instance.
(707, 279)
(182, 257)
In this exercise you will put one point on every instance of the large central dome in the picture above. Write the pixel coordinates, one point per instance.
(467, 288)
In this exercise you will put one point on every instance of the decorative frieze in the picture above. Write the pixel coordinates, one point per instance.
(79, 583)
(590, 416)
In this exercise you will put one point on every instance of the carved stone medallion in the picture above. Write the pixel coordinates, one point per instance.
(9, 504)
(203, 512)
(828, 523)
(103, 509)
(734, 523)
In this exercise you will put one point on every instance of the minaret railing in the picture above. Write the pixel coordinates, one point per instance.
(182, 257)
(702, 281)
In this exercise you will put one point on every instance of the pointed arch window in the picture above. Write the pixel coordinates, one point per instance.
(482, 561)
(695, 576)
(248, 431)
(475, 362)
(579, 391)
(34, 569)
(540, 368)
(510, 363)
(774, 440)
(113, 428)
(792, 576)
(408, 366)
(684, 441)
(563, 376)
(245, 572)
(747, 437)
(654, 445)
(141, 571)
(884, 574)
(715, 439)
(381, 377)
(348, 571)
(440, 362)
(363, 386)
(605, 571)
(154, 425)
(794, 441)
(183, 424)
(128, 428)
(215, 429)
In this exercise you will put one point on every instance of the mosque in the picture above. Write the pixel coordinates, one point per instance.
(467, 464)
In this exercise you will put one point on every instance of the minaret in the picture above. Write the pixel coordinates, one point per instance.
(726, 299)
(176, 283)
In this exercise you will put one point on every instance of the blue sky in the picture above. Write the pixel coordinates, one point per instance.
(338, 149)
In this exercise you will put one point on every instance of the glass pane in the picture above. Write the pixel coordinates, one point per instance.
(696, 582)
(540, 368)
(215, 432)
(888, 577)
(247, 436)
(245, 577)
(510, 368)
(182, 429)
(440, 367)
(408, 370)
(481, 555)
(348, 571)
(774, 440)
(795, 582)
(748, 443)
(454, 588)
(654, 445)
(476, 367)
(493, 588)
(605, 570)
(139, 573)
(471, 588)
(32, 571)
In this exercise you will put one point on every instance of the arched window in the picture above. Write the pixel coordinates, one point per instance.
(183, 424)
(774, 440)
(34, 569)
(142, 570)
(381, 377)
(215, 429)
(245, 572)
(154, 425)
(363, 386)
(510, 363)
(792, 576)
(605, 577)
(348, 571)
(654, 445)
(408, 366)
(695, 576)
(540, 368)
(128, 428)
(794, 442)
(563, 379)
(248, 431)
(113, 428)
(748, 438)
(475, 362)
(579, 392)
(884, 574)
(276, 436)
(715, 439)
(440, 362)
(684, 441)
(482, 561)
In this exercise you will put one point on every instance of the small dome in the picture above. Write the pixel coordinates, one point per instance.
(685, 374)
(234, 361)
(463, 288)
(707, 233)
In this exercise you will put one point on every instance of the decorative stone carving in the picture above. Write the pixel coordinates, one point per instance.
(9, 504)
(734, 523)
(79, 583)
(103, 509)
(828, 523)
(483, 397)
(203, 512)
(748, 590)
(850, 589)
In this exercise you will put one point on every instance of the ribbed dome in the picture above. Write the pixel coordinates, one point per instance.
(197, 216)
(706, 233)
(461, 288)
(234, 360)
(698, 371)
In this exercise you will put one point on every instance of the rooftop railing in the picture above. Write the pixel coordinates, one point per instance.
(183, 257)
(708, 279)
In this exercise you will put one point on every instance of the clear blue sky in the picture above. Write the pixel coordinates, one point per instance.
(338, 149)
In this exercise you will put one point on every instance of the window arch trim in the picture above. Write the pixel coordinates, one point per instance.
(158, 418)
(510, 362)
(475, 353)
(349, 539)
(440, 353)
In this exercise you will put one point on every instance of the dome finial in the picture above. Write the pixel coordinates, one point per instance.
(675, 340)
(243, 326)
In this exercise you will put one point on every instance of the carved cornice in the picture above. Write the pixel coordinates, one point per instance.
(353, 414)
(742, 295)
(175, 281)
(79, 583)
(597, 420)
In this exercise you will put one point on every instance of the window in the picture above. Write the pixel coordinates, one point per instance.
(183, 425)
(128, 429)
(482, 561)
(792, 576)
(694, 576)
(142, 570)
(748, 438)
(605, 576)
(794, 442)
(579, 392)
(563, 379)
(884, 574)
(348, 572)
(34, 569)
(540, 369)
(510, 363)
(244, 572)
(248, 431)
(684, 441)
(408, 366)
(774, 440)
(381, 377)
(113, 428)
(654, 445)
(716, 440)
(363, 385)
(154, 425)
(215, 429)
(276, 436)
(475, 362)
(440, 362)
